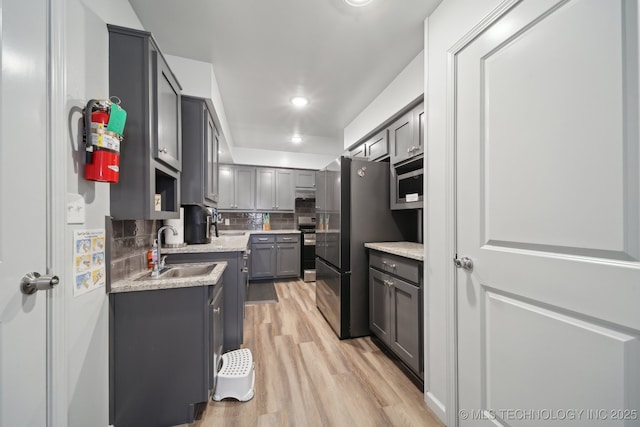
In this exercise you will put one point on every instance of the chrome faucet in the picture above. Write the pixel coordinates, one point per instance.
(159, 265)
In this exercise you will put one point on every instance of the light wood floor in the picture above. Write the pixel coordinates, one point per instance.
(305, 376)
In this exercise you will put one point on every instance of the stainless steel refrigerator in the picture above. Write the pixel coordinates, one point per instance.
(352, 208)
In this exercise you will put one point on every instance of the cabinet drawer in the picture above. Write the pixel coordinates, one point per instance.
(288, 238)
(401, 267)
(263, 238)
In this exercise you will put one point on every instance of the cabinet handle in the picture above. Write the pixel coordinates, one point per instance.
(287, 238)
(262, 239)
(385, 263)
(216, 310)
(245, 270)
(388, 283)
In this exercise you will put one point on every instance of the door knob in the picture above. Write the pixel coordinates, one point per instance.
(164, 150)
(32, 282)
(464, 263)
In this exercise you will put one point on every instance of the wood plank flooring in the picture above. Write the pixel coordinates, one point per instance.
(306, 376)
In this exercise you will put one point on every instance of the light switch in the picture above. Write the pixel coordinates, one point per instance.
(226, 221)
(75, 209)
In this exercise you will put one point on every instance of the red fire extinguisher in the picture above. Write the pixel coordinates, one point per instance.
(103, 128)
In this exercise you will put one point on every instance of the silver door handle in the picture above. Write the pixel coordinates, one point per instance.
(32, 282)
(464, 263)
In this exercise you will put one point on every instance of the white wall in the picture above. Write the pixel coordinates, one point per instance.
(198, 78)
(86, 317)
(405, 88)
(446, 25)
(285, 159)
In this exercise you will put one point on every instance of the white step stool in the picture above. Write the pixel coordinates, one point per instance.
(236, 377)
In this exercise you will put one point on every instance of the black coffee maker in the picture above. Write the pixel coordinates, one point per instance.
(197, 224)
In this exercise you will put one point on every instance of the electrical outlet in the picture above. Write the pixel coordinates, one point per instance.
(75, 209)
(226, 221)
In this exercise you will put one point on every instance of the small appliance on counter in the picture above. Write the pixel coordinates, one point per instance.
(175, 240)
(197, 224)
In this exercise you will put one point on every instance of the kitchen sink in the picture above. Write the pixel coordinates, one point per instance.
(232, 233)
(181, 271)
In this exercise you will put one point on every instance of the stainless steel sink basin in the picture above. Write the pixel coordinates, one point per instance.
(232, 233)
(181, 270)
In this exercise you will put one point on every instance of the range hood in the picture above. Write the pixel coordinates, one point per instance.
(305, 194)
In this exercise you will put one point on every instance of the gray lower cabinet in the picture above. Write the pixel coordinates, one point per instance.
(274, 256)
(235, 278)
(395, 306)
(163, 350)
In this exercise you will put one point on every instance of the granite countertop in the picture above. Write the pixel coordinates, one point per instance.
(132, 284)
(272, 232)
(403, 249)
(228, 241)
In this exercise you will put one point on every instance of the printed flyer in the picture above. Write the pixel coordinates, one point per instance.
(89, 260)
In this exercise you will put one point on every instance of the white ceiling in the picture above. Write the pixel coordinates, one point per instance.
(266, 51)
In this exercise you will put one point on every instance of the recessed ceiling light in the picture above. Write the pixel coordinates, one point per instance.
(357, 3)
(296, 139)
(299, 101)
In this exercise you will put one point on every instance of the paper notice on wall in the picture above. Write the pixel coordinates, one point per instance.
(88, 261)
(413, 197)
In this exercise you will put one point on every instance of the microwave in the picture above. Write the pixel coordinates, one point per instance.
(407, 184)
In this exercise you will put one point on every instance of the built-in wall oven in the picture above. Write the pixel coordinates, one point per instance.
(407, 184)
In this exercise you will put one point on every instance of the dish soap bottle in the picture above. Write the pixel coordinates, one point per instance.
(152, 254)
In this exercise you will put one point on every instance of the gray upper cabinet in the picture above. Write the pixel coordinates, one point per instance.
(377, 147)
(167, 117)
(237, 188)
(150, 159)
(199, 181)
(274, 188)
(406, 135)
(305, 179)
(374, 149)
(265, 184)
(360, 151)
(401, 137)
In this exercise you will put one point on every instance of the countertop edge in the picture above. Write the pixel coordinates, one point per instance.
(132, 284)
(409, 250)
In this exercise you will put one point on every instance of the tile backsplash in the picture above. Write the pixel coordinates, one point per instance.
(279, 220)
(130, 240)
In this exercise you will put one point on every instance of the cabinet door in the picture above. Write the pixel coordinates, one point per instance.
(265, 183)
(263, 260)
(378, 146)
(245, 188)
(284, 191)
(168, 117)
(401, 138)
(418, 130)
(211, 172)
(227, 187)
(359, 151)
(305, 179)
(217, 336)
(406, 322)
(379, 296)
(288, 259)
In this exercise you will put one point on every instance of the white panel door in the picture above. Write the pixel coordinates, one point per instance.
(23, 139)
(545, 99)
